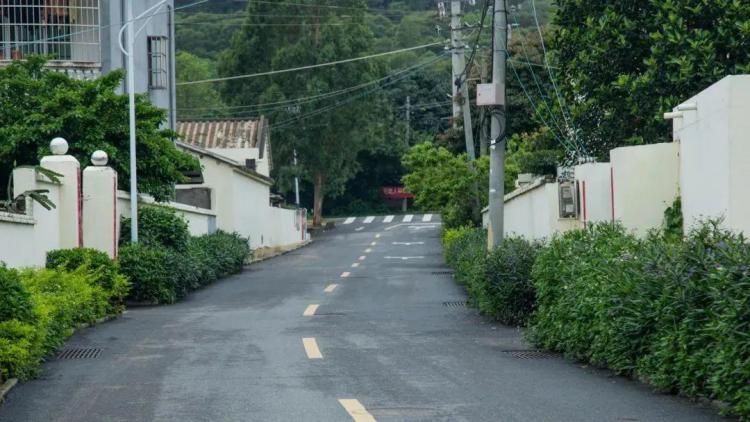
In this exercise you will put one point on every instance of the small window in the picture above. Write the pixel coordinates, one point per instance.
(157, 62)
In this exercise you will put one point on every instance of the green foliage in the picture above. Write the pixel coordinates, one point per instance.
(38, 104)
(442, 181)
(623, 65)
(15, 300)
(58, 302)
(505, 291)
(160, 274)
(673, 220)
(158, 226)
(103, 271)
(200, 100)
(465, 251)
(673, 312)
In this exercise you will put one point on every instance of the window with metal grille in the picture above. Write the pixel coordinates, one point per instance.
(157, 62)
(65, 30)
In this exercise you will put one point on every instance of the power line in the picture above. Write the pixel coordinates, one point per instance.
(328, 6)
(314, 66)
(312, 98)
(256, 24)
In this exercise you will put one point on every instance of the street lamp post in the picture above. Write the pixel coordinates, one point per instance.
(131, 93)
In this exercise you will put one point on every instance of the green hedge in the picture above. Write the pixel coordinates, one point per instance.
(163, 275)
(157, 226)
(675, 313)
(50, 304)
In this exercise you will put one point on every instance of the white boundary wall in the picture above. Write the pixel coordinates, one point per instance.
(200, 221)
(715, 154)
(595, 191)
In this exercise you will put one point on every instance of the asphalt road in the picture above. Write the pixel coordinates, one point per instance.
(391, 342)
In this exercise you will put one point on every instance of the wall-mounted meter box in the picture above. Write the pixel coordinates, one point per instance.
(490, 95)
(568, 196)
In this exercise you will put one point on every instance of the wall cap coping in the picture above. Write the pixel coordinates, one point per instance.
(147, 199)
(10, 217)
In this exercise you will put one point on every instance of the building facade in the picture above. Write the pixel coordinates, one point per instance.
(80, 37)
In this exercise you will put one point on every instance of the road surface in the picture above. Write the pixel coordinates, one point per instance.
(362, 325)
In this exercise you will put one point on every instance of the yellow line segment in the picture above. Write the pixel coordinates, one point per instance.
(330, 288)
(356, 410)
(310, 310)
(362, 258)
(311, 348)
(355, 265)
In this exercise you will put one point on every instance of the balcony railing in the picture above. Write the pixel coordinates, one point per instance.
(67, 31)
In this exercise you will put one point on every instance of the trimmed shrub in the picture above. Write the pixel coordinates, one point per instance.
(104, 271)
(15, 300)
(465, 251)
(505, 290)
(673, 312)
(158, 226)
(151, 271)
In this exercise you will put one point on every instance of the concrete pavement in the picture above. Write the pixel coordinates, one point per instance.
(310, 336)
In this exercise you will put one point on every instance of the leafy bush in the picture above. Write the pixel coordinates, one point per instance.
(465, 251)
(505, 290)
(104, 271)
(15, 300)
(150, 271)
(59, 301)
(163, 275)
(158, 226)
(673, 312)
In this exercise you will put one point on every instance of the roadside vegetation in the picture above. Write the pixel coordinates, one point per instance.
(670, 311)
(41, 308)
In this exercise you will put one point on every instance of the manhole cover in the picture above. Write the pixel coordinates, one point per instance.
(530, 354)
(461, 304)
(89, 353)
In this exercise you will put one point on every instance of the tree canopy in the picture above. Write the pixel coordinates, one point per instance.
(38, 104)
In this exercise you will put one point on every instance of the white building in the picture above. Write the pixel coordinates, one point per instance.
(81, 37)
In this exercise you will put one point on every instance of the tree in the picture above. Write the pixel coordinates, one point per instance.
(200, 100)
(328, 134)
(38, 104)
(623, 64)
(442, 181)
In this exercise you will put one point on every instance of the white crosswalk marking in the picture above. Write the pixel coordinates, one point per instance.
(388, 219)
(349, 220)
(408, 218)
(426, 218)
(369, 220)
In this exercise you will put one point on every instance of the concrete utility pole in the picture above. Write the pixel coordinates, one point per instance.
(497, 135)
(461, 103)
(483, 129)
(296, 181)
(408, 119)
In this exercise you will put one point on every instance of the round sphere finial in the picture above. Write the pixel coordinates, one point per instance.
(99, 158)
(59, 146)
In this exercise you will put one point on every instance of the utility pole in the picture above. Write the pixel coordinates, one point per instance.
(296, 180)
(461, 103)
(499, 125)
(408, 119)
(483, 129)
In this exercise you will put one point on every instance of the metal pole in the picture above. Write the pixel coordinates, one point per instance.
(296, 180)
(131, 94)
(497, 135)
(408, 119)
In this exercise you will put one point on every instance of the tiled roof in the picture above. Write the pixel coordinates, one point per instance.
(229, 133)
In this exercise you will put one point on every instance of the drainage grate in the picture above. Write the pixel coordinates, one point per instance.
(455, 304)
(89, 353)
(530, 354)
(442, 273)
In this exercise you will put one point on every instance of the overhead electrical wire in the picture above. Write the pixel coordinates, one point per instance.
(465, 72)
(313, 66)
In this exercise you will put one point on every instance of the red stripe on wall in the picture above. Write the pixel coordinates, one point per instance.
(612, 190)
(114, 217)
(79, 210)
(585, 211)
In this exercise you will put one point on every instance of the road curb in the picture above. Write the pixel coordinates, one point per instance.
(6, 387)
(280, 253)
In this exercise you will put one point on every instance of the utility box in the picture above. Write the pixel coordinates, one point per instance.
(490, 95)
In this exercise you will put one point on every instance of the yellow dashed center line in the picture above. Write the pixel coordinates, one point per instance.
(356, 410)
(330, 288)
(377, 236)
(362, 258)
(310, 310)
(355, 265)
(368, 250)
(311, 348)
(373, 243)
(345, 274)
